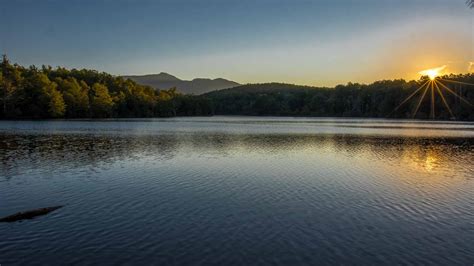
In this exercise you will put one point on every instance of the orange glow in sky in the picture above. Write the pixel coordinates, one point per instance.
(433, 72)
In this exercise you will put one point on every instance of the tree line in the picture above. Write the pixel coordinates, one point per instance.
(377, 100)
(61, 93)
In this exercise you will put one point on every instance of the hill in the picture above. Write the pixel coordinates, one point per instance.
(196, 86)
(378, 100)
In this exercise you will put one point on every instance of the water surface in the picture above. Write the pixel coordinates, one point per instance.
(238, 190)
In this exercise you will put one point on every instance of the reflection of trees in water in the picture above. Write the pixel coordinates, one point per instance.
(56, 152)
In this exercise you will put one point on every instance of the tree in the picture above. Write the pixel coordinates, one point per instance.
(75, 96)
(101, 101)
(167, 102)
(56, 105)
(11, 81)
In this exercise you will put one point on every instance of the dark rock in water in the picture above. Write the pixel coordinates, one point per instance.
(28, 214)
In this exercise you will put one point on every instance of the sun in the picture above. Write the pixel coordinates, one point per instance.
(433, 72)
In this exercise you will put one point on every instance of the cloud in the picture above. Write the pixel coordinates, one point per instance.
(471, 66)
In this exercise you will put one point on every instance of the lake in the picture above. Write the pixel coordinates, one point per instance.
(238, 191)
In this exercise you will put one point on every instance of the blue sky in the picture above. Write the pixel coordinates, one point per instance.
(306, 42)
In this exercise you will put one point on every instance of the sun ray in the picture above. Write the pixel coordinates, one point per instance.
(432, 112)
(409, 97)
(454, 93)
(421, 100)
(458, 82)
(444, 100)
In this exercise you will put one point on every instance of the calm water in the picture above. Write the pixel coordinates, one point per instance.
(234, 190)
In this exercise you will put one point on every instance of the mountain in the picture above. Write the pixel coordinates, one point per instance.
(195, 86)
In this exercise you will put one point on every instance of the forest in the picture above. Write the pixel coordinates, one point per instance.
(43, 93)
(377, 100)
(35, 93)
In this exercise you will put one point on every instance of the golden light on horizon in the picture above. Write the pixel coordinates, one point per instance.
(433, 72)
(436, 85)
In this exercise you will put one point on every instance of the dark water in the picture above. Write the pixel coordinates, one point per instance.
(238, 191)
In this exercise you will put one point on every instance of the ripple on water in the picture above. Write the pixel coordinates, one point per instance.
(237, 191)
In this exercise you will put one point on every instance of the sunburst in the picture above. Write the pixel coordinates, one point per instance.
(435, 85)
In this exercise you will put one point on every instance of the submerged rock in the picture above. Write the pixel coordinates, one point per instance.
(28, 214)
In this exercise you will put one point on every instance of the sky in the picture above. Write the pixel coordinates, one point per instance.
(321, 43)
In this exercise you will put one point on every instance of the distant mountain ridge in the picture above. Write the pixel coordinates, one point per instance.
(196, 86)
